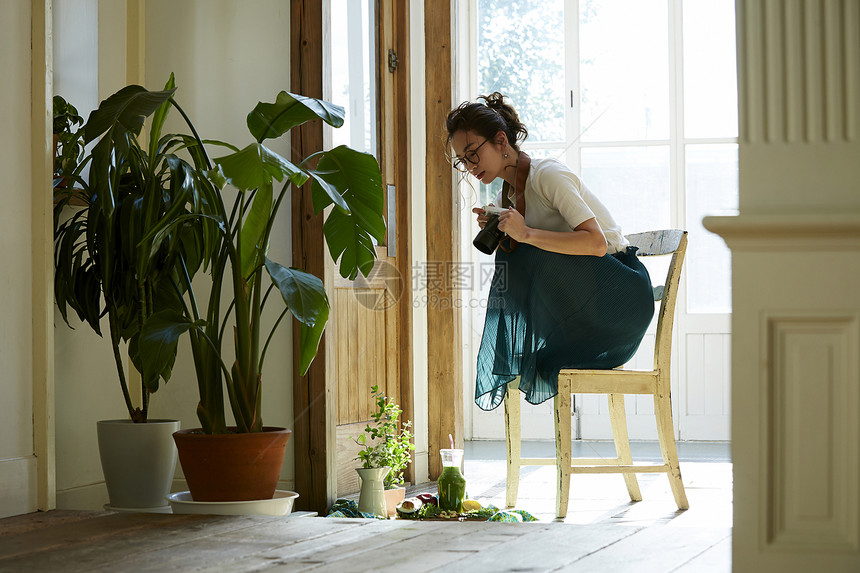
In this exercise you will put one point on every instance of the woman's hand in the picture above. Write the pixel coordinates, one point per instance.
(482, 215)
(513, 223)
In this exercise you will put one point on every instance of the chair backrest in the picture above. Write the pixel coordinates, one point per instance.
(655, 243)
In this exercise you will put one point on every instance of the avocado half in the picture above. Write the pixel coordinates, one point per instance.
(408, 508)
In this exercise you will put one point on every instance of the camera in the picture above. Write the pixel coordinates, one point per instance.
(490, 236)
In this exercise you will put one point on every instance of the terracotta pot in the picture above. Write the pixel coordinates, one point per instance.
(392, 498)
(233, 466)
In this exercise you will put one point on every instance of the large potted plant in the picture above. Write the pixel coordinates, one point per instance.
(386, 451)
(106, 267)
(236, 240)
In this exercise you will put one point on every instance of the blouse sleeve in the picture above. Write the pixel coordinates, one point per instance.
(560, 187)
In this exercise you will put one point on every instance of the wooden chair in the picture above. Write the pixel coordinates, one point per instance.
(615, 383)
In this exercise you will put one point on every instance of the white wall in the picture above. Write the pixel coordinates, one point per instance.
(86, 383)
(17, 462)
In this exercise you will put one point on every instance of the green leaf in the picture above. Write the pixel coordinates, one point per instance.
(269, 120)
(216, 176)
(319, 183)
(303, 292)
(309, 340)
(158, 341)
(356, 178)
(254, 230)
(128, 108)
(160, 116)
(348, 242)
(149, 379)
(255, 165)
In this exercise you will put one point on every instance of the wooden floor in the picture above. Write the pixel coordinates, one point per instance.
(603, 532)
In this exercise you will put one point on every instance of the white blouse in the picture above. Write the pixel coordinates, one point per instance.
(557, 200)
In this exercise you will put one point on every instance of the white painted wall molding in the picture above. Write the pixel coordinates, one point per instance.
(811, 465)
(808, 231)
(799, 70)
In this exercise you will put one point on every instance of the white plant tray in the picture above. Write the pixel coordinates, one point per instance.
(280, 504)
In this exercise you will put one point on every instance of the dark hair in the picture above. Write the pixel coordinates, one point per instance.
(487, 119)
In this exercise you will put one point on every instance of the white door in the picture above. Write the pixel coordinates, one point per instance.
(639, 97)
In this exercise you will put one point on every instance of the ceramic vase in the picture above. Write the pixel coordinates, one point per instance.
(138, 461)
(371, 499)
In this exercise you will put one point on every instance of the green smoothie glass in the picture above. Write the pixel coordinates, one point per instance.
(451, 483)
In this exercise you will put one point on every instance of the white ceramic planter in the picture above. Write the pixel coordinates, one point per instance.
(138, 461)
(371, 498)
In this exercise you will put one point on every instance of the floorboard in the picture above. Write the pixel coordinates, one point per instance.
(603, 531)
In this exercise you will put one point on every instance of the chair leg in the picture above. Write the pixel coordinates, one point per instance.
(512, 438)
(666, 433)
(562, 446)
(618, 419)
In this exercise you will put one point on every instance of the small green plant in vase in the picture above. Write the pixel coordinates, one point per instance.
(386, 443)
(68, 142)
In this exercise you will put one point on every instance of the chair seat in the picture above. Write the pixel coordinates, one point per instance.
(617, 381)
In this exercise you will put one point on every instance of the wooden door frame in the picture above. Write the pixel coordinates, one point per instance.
(314, 426)
(444, 321)
(396, 163)
(313, 394)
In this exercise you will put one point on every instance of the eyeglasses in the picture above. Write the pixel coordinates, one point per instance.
(471, 156)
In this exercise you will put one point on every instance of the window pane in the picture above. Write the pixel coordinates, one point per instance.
(633, 183)
(712, 189)
(710, 79)
(521, 54)
(624, 67)
(353, 80)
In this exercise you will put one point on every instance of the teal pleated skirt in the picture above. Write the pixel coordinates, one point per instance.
(547, 311)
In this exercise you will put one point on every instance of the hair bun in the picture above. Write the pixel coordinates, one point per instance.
(495, 100)
(487, 119)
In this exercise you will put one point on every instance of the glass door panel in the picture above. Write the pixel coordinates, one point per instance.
(710, 78)
(712, 189)
(633, 183)
(353, 79)
(624, 70)
(521, 54)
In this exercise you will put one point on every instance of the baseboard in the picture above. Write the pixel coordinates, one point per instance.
(17, 486)
(90, 497)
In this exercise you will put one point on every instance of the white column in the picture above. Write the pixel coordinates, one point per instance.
(796, 279)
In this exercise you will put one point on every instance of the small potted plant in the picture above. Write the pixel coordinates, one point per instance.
(387, 446)
(68, 142)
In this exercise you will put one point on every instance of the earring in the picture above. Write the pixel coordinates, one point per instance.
(506, 155)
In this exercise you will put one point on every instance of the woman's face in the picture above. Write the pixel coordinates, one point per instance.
(482, 158)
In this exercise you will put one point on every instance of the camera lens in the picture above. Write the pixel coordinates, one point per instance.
(489, 237)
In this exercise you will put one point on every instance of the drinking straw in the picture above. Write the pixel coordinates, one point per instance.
(450, 437)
